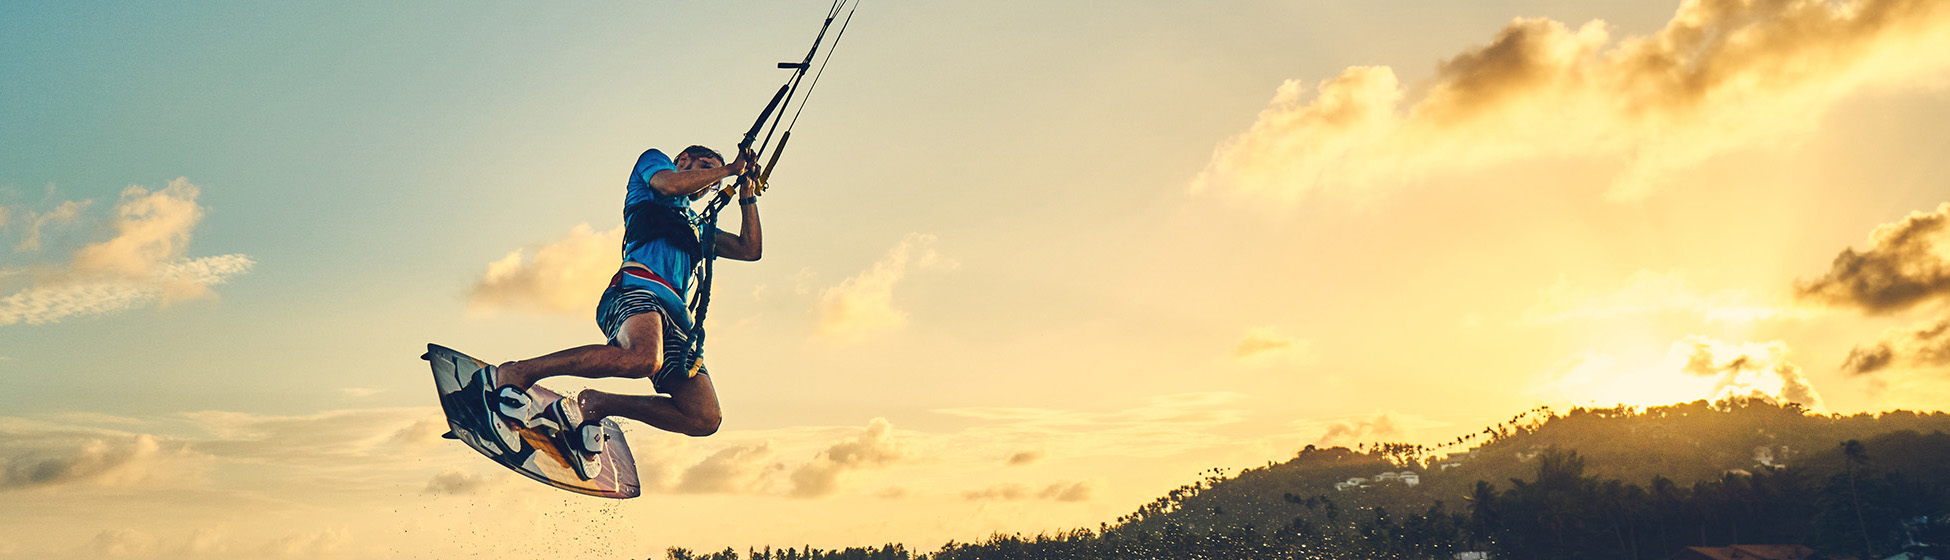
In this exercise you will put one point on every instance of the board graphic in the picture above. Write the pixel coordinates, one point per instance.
(533, 452)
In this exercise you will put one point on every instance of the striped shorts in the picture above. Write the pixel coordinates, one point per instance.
(624, 300)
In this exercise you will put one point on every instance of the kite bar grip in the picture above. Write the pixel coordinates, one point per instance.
(765, 177)
(793, 65)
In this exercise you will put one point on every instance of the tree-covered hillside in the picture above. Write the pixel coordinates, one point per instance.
(1683, 443)
(1620, 483)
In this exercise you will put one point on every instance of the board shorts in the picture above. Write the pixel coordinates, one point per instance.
(628, 296)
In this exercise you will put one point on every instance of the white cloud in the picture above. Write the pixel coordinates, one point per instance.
(75, 296)
(566, 275)
(863, 306)
(143, 263)
(1721, 76)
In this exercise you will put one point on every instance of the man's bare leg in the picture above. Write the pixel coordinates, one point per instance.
(691, 408)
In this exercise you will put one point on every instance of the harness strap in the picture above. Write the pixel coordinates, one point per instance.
(644, 273)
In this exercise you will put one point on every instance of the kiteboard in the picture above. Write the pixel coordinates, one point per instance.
(534, 451)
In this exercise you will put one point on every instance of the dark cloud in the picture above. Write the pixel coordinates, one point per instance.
(1072, 492)
(1720, 76)
(1923, 347)
(458, 482)
(874, 447)
(1899, 270)
(1000, 492)
(1025, 457)
(1058, 492)
(1748, 370)
(50, 459)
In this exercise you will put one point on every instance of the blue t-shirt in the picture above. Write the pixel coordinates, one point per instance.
(659, 255)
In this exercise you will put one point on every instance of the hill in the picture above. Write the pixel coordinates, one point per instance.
(1618, 483)
(1682, 443)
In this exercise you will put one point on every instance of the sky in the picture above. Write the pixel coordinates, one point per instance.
(1029, 264)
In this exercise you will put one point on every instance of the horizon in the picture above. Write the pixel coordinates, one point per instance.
(1030, 265)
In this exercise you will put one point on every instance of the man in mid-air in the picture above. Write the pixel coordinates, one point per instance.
(644, 310)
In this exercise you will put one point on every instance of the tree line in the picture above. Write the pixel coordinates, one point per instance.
(1866, 511)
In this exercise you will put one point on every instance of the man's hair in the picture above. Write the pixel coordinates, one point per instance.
(700, 152)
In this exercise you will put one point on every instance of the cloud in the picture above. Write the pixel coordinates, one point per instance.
(1072, 492)
(1648, 293)
(458, 482)
(95, 295)
(30, 239)
(309, 543)
(151, 228)
(1011, 491)
(1059, 492)
(874, 447)
(141, 264)
(863, 305)
(566, 275)
(731, 470)
(206, 541)
(1901, 268)
(1025, 457)
(1722, 75)
(35, 460)
(1920, 347)
(1263, 343)
(1745, 370)
(123, 543)
(1382, 427)
(360, 392)
(328, 439)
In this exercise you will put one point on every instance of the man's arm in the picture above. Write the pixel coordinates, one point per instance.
(749, 243)
(674, 182)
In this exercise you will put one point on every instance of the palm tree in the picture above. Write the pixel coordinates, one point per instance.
(1852, 455)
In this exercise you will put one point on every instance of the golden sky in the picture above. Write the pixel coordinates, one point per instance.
(1029, 265)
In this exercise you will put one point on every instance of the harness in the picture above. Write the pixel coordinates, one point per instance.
(650, 220)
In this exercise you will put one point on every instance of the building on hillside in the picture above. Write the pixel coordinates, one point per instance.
(1745, 552)
(1387, 476)
(1473, 555)
(1351, 484)
(1411, 479)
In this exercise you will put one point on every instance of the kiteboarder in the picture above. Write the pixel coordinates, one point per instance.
(643, 312)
